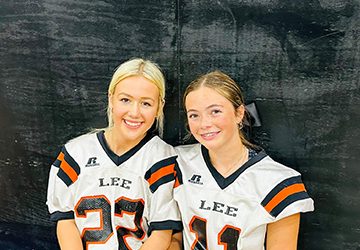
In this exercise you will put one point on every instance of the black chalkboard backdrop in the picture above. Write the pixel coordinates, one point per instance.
(297, 60)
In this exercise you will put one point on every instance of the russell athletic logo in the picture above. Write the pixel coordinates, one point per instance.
(92, 162)
(196, 179)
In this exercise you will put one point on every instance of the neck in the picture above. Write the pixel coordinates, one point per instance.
(232, 161)
(117, 144)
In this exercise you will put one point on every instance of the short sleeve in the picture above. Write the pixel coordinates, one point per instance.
(164, 213)
(288, 197)
(59, 197)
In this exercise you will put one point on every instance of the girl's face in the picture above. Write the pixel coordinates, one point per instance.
(135, 103)
(212, 118)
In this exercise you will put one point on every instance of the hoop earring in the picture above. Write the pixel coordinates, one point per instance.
(240, 125)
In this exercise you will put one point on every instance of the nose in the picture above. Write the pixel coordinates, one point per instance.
(134, 110)
(205, 122)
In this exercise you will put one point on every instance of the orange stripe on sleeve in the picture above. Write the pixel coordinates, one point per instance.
(67, 168)
(61, 157)
(283, 194)
(161, 173)
(177, 183)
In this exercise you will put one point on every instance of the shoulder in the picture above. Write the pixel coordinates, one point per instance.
(188, 151)
(78, 150)
(156, 146)
(190, 158)
(266, 165)
(68, 163)
(279, 188)
(157, 141)
(265, 173)
(81, 141)
(157, 152)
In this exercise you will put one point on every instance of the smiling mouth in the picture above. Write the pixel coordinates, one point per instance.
(209, 135)
(132, 124)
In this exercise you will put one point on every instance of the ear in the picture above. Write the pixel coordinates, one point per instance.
(162, 103)
(110, 100)
(239, 113)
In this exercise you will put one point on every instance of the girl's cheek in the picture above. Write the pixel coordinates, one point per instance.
(192, 126)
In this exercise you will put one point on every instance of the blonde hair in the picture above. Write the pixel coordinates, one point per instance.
(226, 87)
(147, 69)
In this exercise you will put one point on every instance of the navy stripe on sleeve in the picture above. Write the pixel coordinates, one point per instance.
(69, 170)
(284, 194)
(160, 173)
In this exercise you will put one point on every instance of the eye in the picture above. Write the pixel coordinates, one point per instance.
(192, 116)
(216, 111)
(147, 104)
(125, 100)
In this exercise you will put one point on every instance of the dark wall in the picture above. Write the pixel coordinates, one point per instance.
(298, 60)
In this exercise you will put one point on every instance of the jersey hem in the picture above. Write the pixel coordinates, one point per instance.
(56, 216)
(176, 226)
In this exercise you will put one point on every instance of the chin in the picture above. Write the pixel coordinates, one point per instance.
(207, 144)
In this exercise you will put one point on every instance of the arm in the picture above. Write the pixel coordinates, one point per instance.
(283, 234)
(159, 239)
(68, 235)
(176, 242)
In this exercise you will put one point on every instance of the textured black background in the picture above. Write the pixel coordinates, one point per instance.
(298, 60)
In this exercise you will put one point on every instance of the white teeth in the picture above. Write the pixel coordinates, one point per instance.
(210, 134)
(133, 124)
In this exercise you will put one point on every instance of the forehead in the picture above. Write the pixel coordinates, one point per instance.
(204, 97)
(137, 86)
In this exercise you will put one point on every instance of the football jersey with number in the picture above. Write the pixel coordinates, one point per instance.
(232, 213)
(116, 201)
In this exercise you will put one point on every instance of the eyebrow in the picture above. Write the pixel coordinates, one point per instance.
(142, 98)
(209, 107)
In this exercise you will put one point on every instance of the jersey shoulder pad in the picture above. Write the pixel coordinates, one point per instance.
(69, 169)
(156, 150)
(188, 151)
(162, 163)
(279, 186)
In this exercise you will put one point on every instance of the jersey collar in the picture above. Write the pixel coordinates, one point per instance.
(118, 160)
(225, 182)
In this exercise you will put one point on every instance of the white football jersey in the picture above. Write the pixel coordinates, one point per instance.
(232, 213)
(116, 201)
